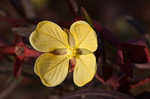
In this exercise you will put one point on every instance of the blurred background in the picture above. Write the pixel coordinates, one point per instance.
(126, 21)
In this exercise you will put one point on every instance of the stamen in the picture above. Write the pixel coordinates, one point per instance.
(71, 52)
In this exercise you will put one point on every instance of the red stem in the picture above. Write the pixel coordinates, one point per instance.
(18, 67)
(31, 53)
(140, 83)
(7, 50)
(100, 78)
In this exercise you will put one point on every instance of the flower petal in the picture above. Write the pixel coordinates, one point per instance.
(84, 70)
(52, 69)
(48, 36)
(85, 36)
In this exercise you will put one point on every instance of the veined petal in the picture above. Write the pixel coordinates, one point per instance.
(48, 36)
(52, 69)
(85, 36)
(84, 70)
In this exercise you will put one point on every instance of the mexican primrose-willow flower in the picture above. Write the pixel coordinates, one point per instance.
(61, 46)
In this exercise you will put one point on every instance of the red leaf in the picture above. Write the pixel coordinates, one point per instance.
(127, 69)
(125, 83)
(131, 53)
(113, 81)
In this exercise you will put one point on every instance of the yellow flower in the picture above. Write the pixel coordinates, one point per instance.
(60, 46)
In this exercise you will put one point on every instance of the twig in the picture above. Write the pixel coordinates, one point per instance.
(143, 66)
(29, 11)
(102, 47)
(9, 89)
(17, 5)
(7, 70)
(74, 8)
(14, 22)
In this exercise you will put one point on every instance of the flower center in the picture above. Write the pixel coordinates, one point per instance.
(71, 52)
